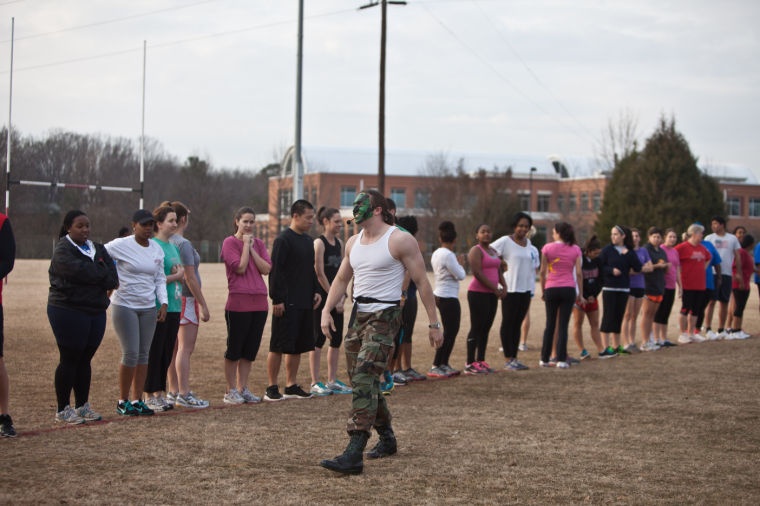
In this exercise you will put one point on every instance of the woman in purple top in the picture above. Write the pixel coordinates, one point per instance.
(635, 296)
(561, 287)
(245, 261)
(483, 296)
(672, 279)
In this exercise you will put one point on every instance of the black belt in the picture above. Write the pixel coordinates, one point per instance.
(370, 300)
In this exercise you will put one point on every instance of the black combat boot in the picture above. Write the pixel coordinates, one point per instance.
(387, 444)
(350, 461)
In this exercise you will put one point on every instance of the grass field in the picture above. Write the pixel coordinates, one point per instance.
(676, 426)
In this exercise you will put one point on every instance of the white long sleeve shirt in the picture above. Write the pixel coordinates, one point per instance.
(448, 273)
(141, 273)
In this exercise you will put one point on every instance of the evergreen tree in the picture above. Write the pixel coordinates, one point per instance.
(660, 185)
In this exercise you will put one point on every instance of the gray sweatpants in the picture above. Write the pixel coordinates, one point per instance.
(135, 329)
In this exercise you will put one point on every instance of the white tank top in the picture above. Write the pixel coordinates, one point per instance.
(376, 273)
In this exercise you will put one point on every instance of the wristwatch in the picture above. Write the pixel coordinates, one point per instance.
(436, 325)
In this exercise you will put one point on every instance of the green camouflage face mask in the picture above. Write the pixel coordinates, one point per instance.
(362, 208)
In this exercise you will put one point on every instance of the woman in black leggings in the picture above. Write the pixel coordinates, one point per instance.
(81, 274)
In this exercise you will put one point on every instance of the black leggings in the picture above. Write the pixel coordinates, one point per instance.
(558, 300)
(451, 314)
(78, 336)
(665, 307)
(482, 312)
(614, 303)
(161, 351)
(740, 300)
(514, 306)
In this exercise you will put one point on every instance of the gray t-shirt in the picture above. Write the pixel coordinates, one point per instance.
(188, 256)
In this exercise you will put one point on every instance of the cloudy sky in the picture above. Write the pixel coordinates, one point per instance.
(530, 77)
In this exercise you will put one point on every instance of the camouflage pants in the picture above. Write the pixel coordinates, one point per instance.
(368, 345)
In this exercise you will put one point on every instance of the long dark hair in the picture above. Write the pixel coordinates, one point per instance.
(627, 238)
(68, 221)
(325, 213)
(159, 215)
(377, 199)
(592, 244)
(566, 232)
(239, 214)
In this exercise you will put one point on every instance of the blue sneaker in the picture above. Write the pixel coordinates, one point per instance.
(320, 389)
(338, 387)
(585, 354)
(386, 386)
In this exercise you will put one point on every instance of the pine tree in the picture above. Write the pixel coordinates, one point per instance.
(660, 185)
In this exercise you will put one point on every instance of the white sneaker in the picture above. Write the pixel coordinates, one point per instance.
(724, 335)
(649, 347)
(68, 415)
(523, 347)
(741, 335)
(698, 338)
(684, 338)
(563, 365)
(248, 396)
(87, 413)
(155, 404)
(190, 401)
(233, 397)
(712, 336)
(320, 389)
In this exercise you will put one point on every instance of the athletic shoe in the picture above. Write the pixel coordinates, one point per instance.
(572, 360)
(400, 379)
(437, 372)
(233, 397)
(165, 403)
(272, 394)
(520, 365)
(249, 397)
(87, 413)
(667, 344)
(510, 366)
(649, 347)
(471, 370)
(632, 348)
(553, 361)
(479, 367)
(523, 347)
(142, 408)
(68, 415)
(684, 338)
(202, 402)
(740, 334)
(295, 392)
(541, 363)
(699, 338)
(712, 336)
(6, 426)
(338, 387)
(171, 398)
(414, 375)
(318, 389)
(563, 365)
(484, 365)
(190, 401)
(126, 409)
(622, 351)
(585, 354)
(450, 370)
(155, 404)
(608, 352)
(723, 335)
(386, 387)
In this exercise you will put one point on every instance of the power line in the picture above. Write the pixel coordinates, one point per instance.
(161, 45)
(10, 2)
(106, 21)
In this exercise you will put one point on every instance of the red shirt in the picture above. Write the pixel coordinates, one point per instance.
(693, 259)
(747, 269)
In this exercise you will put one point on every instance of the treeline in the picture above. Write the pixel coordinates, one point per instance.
(36, 212)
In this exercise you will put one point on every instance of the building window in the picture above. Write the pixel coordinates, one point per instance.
(596, 201)
(421, 199)
(754, 208)
(584, 201)
(542, 203)
(561, 203)
(734, 206)
(286, 200)
(398, 195)
(347, 195)
(525, 201)
(571, 202)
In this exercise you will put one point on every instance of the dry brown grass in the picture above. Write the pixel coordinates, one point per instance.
(676, 426)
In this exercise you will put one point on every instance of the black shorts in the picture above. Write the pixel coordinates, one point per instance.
(740, 298)
(408, 318)
(692, 302)
(293, 332)
(244, 330)
(723, 294)
(336, 336)
(637, 293)
(663, 310)
(710, 294)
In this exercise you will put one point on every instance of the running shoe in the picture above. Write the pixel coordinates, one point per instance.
(450, 370)
(684, 338)
(318, 389)
(155, 404)
(126, 409)
(87, 413)
(724, 334)
(572, 360)
(233, 397)
(142, 408)
(523, 347)
(668, 344)
(171, 398)
(6, 426)
(190, 401)
(547, 364)
(632, 348)
(699, 338)
(520, 365)
(295, 392)
(68, 415)
(563, 365)
(249, 397)
(272, 394)
(649, 347)
(400, 379)
(712, 336)
(553, 360)
(740, 334)
(510, 365)
(471, 370)
(608, 352)
(386, 387)
(414, 375)
(338, 387)
(622, 351)
(484, 365)
(437, 372)
(585, 354)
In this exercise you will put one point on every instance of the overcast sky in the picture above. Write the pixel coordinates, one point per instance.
(531, 77)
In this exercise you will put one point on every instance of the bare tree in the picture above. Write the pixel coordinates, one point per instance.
(618, 140)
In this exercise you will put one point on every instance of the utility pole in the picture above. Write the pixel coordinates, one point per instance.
(297, 161)
(381, 117)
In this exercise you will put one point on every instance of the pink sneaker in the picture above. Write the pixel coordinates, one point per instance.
(485, 367)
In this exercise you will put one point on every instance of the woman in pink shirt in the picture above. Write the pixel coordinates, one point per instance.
(561, 286)
(672, 279)
(245, 261)
(483, 296)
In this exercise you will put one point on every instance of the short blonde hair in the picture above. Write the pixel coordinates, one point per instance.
(693, 229)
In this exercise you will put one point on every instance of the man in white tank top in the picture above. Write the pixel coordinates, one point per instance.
(376, 258)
